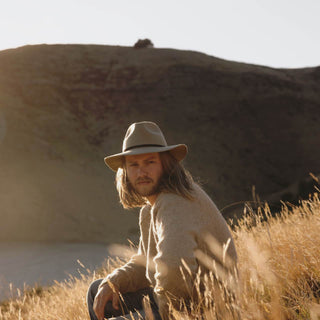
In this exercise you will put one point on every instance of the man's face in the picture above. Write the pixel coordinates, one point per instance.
(144, 172)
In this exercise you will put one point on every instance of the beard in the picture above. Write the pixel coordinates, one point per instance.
(146, 187)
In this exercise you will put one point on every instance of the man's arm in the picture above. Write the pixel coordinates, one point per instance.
(176, 242)
(132, 276)
(128, 278)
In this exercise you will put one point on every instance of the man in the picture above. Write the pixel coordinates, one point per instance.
(180, 228)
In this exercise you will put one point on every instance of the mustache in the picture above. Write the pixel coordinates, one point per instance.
(143, 180)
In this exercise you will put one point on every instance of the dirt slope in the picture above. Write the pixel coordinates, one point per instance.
(64, 107)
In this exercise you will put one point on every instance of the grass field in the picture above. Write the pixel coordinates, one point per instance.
(279, 274)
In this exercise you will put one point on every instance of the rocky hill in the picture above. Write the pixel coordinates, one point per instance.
(64, 107)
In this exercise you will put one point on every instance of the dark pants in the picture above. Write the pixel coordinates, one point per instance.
(130, 302)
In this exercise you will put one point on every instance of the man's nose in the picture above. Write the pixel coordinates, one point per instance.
(142, 171)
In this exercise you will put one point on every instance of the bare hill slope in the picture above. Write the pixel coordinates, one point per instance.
(64, 107)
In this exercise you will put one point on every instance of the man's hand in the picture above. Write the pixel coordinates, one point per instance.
(105, 293)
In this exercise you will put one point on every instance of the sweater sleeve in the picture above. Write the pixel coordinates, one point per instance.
(132, 276)
(176, 241)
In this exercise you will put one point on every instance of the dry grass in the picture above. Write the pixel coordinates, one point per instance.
(279, 275)
(279, 261)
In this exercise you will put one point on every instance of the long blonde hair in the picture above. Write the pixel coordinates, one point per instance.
(175, 179)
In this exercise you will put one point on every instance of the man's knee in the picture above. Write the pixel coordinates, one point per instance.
(93, 289)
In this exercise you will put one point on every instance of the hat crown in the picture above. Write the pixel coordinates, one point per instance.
(145, 133)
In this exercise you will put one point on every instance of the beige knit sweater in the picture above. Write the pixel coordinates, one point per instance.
(174, 228)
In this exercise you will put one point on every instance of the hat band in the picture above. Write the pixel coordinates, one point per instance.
(143, 145)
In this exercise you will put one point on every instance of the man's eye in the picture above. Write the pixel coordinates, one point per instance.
(133, 164)
(151, 161)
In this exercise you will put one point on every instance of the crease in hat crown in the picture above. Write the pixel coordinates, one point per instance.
(144, 137)
(143, 134)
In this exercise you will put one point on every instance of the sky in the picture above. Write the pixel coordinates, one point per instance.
(276, 33)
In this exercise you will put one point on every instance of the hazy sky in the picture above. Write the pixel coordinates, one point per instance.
(278, 33)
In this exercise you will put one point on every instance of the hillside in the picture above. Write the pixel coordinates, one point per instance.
(64, 107)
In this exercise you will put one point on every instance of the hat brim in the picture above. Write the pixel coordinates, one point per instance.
(115, 161)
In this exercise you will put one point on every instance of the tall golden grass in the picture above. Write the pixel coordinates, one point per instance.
(278, 278)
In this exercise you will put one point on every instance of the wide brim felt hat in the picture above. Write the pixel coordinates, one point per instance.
(144, 137)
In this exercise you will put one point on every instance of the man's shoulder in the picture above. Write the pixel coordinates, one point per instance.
(170, 198)
(201, 203)
(144, 212)
(176, 200)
